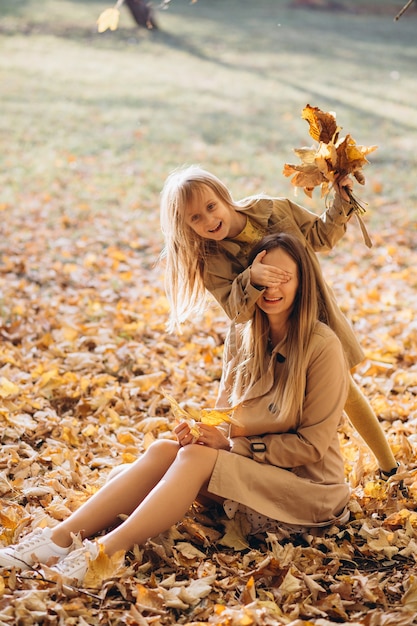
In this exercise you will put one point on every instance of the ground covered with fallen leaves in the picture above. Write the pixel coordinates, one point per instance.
(84, 355)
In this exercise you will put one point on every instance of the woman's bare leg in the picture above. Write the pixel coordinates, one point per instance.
(168, 501)
(121, 495)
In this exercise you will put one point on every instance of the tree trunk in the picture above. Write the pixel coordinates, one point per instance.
(142, 13)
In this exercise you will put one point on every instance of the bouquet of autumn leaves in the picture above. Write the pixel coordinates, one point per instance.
(333, 158)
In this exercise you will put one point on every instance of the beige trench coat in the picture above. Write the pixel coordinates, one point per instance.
(299, 478)
(227, 275)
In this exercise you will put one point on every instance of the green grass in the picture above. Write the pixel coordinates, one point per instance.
(99, 120)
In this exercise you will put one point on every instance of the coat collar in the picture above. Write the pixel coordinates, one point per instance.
(280, 351)
(260, 212)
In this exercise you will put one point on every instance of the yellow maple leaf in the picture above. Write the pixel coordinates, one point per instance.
(356, 154)
(306, 175)
(375, 489)
(306, 155)
(49, 377)
(108, 20)
(182, 415)
(103, 567)
(215, 417)
(7, 388)
(211, 417)
(8, 522)
(129, 457)
(178, 411)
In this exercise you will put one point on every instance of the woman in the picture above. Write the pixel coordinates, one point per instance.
(280, 463)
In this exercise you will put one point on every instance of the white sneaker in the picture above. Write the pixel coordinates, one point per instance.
(37, 547)
(74, 567)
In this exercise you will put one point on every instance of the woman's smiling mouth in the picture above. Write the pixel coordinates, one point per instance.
(272, 299)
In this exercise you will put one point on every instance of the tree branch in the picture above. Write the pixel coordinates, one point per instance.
(403, 10)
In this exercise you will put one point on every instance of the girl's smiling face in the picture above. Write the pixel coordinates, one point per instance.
(210, 217)
(278, 301)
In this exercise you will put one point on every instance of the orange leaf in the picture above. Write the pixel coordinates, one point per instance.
(103, 567)
(322, 125)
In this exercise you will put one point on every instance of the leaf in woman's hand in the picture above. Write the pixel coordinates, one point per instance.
(215, 417)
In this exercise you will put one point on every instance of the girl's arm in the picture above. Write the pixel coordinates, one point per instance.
(236, 297)
(325, 230)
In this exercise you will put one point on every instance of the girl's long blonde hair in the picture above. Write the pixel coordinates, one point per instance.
(306, 310)
(185, 252)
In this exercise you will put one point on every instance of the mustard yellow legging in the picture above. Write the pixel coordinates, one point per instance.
(362, 417)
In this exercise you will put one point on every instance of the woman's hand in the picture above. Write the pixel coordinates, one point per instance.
(208, 436)
(263, 275)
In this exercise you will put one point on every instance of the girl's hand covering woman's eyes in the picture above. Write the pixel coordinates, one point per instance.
(263, 275)
(210, 436)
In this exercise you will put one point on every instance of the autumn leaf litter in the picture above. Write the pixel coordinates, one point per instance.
(84, 356)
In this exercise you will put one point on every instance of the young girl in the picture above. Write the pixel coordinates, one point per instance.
(281, 465)
(207, 239)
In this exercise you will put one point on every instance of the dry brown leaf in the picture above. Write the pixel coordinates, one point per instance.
(150, 600)
(322, 126)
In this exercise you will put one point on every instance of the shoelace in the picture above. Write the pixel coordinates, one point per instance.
(73, 562)
(28, 542)
(80, 557)
(23, 547)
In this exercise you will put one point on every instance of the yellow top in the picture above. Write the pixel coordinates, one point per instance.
(250, 235)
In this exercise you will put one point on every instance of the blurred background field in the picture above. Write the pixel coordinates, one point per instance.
(95, 121)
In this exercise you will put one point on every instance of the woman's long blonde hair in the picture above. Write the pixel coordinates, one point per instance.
(306, 310)
(185, 252)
